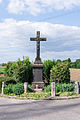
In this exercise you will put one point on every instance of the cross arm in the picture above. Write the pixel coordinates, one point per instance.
(42, 39)
(32, 39)
(36, 39)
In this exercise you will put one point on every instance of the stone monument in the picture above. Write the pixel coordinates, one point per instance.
(38, 65)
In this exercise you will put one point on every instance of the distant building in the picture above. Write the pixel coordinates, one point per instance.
(74, 75)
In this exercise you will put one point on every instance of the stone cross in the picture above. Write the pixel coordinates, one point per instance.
(38, 39)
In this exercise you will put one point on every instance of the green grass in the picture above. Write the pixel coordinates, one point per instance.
(2, 70)
(68, 94)
(34, 96)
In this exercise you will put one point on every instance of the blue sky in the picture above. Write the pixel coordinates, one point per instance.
(58, 21)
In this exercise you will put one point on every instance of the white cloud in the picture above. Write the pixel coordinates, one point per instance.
(62, 41)
(38, 6)
(0, 1)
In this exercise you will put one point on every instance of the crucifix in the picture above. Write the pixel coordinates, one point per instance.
(38, 39)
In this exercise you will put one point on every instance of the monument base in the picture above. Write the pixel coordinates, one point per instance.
(38, 85)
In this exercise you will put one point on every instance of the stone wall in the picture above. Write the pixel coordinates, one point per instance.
(74, 74)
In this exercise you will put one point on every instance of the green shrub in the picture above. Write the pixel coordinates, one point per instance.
(18, 89)
(60, 73)
(2, 69)
(8, 80)
(8, 89)
(64, 87)
(21, 70)
(48, 64)
(30, 88)
(60, 87)
(47, 88)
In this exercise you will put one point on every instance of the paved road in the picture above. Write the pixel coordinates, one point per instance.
(11, 109)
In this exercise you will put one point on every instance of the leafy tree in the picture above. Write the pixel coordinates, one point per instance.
(46, 71)
(20, 71)
(58, 61)
(67, 60)
(60, 73)
(73, 65)
(78, 63)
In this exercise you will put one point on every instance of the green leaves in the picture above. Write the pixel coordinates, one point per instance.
(46, 71)
(18, 89)
(21, 70)
(60, 73)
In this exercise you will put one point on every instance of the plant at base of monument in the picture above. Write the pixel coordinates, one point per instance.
(48, 64)
(60, 73)
(30, 88)
(18, 89)
(47, 88)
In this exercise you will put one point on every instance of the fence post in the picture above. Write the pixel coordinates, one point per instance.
(3, 85)
(25, 87)
(53, 94)
(77, 87)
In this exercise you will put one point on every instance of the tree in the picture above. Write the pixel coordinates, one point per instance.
(46, 71)
(60, 73)
(58, 61)
(78, 63)
(20, 71)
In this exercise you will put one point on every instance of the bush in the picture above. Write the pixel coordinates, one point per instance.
(64, 87)
(10, 80)
(60, 73)
(8, 89)
(48, 64)
(21, 71)
(47, 88)
(30, 88)
(60, 87)
(18, 89)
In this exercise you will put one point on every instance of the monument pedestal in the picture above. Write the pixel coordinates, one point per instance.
(37, 76)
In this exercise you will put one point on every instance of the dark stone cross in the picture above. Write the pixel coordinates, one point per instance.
(38, 65)
(38, 39)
